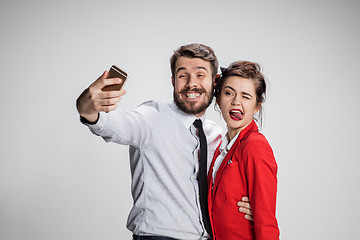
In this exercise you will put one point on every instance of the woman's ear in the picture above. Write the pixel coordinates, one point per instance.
(258, 107)
(217, 100)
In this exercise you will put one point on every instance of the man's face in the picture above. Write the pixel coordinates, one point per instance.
(193, 85)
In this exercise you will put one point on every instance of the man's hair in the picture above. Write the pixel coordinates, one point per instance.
(195, 50)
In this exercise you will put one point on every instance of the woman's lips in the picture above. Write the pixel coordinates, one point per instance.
(236, 114)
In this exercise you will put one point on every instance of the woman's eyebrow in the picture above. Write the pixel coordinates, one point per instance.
(243, 93)
(230, 88)
(247, 94)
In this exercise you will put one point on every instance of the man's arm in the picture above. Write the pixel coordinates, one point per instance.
(93, 100)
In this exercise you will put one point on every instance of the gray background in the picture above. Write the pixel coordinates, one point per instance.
(57, 181)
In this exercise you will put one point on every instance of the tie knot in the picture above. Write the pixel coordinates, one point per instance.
(198, 123)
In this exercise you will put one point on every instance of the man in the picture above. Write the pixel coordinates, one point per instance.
(164, 145)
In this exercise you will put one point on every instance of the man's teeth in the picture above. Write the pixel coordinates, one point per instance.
(192, 95)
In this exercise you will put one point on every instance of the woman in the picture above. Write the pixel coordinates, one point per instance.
(243, 164)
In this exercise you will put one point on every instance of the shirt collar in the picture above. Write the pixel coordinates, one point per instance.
(186, 118)
(225, 144)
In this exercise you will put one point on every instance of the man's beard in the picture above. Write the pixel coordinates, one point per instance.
(190, 107)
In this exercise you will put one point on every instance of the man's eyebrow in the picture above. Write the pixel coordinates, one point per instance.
(183, 68)
(201, 67)
(179, 69)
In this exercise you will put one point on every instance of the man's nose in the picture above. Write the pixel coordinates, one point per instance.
(192, 81)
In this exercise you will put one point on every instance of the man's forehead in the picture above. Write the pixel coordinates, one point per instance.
(185, 63)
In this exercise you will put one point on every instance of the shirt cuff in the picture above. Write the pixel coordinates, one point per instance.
(86, 122)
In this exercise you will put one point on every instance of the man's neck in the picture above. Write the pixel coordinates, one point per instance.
(199, 115)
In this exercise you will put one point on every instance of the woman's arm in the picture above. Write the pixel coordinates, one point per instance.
(261, 173)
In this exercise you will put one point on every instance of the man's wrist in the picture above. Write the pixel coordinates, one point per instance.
(89, 121)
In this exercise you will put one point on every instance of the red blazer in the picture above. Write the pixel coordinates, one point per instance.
(248, 169)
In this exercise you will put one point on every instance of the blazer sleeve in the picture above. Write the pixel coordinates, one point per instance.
(261, 171)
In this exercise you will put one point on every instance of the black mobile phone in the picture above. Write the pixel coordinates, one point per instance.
(116, 72)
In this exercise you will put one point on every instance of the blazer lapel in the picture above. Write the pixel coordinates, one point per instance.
(252, 127)
(223, 165)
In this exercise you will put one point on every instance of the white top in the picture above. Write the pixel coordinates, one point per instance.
(224, 149)
(164, 149)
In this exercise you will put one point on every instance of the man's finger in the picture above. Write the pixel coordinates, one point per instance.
(109, 101)
(112, 94)
(100, 79)
(103, 81)
(245, 199)
(248, 217)
(244, 204)
(111, 81)
(245, 210)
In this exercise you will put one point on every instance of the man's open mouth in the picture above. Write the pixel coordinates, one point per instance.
(192, 94)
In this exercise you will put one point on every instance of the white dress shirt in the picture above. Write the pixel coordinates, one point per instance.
(224, 148)
(164, 163)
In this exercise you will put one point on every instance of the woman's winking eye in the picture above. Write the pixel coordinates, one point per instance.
(246, 97)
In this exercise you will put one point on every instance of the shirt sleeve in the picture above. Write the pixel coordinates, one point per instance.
(123, 126)
(261, 173)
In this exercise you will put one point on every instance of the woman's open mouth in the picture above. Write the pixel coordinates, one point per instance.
(236, 114)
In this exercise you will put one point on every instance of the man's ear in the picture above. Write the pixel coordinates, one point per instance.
(215, 83)
(173, 81)
(215, 80)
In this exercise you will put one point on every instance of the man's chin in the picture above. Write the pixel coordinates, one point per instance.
(192, 107)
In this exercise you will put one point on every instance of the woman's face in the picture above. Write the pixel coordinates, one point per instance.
(237, 102)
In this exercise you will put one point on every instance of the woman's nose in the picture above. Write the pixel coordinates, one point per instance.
(236, 100)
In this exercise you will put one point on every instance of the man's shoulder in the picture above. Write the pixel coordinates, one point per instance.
(153, 110)
(211, 124)
(212, 128)
(154, 105)
(148, 103)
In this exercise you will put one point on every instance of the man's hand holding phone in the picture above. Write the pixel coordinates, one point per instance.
(103, 95)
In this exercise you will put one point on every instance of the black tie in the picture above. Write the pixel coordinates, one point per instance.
(202, 176)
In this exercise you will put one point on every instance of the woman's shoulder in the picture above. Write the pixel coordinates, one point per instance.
(255, 139)
(256, 143)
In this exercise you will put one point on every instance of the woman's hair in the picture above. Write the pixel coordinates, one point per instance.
(249, 70)
(195, 50)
